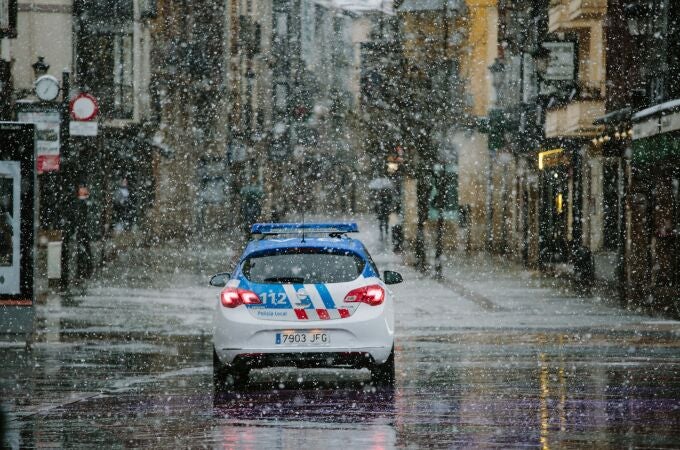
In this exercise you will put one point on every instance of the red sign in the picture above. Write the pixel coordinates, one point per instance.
(84, 107)
(47, 163)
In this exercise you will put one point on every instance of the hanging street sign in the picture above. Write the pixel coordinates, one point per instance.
(645, 129)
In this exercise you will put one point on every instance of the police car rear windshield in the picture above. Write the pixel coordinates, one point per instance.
(304, 265)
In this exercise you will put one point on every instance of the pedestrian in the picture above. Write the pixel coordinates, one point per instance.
(84, 266)
(251, 205)
(383, 208)
(121, 206)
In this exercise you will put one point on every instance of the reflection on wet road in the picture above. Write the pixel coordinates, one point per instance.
(447, 395)
(132, 368)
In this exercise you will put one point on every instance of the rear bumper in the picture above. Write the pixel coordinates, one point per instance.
(358, 341)
(354, 359)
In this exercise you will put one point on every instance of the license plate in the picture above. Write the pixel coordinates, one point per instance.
(302, 338)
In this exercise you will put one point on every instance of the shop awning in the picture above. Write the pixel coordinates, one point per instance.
(430, 5)
(657, 109)
(615, 117)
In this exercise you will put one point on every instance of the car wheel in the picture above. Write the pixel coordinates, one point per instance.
(383, 374)
(227, 376)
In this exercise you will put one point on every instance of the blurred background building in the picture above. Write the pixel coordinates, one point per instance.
(542, 130)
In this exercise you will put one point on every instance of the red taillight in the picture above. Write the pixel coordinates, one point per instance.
(372, 295)
(232, 297)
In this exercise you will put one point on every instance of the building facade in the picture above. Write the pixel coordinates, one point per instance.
(189, 94)
(447, 47)
(101, 48)
(652, 257)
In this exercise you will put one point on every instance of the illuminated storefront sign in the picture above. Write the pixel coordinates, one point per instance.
(552, 158)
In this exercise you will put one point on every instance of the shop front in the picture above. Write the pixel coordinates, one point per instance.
(654, 226)
(554, 183)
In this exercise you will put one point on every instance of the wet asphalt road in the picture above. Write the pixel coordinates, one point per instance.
(494, 356)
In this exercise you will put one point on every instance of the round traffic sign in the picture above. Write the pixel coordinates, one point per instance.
(84, 107)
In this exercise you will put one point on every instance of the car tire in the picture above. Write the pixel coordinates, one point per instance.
(383, 374)
(227, 377)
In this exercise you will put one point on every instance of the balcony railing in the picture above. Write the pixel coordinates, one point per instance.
(587, 9)
(575, 119)
(568, 14)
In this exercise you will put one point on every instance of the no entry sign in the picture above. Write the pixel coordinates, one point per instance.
(84, 107)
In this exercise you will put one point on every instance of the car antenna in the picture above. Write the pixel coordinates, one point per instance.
(303, 226)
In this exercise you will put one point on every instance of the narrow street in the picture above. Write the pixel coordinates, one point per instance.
(492, 356)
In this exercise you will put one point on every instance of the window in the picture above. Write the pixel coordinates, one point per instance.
(281, 27)
(304, 265)
(281, 96)
(106, 68)
(8, 19)
(148, 9)
(122, 72)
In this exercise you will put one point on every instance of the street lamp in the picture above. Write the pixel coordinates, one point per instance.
(40, 67)
(541, 57)
(497, 70)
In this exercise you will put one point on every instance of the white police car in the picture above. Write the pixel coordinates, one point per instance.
(303, 295)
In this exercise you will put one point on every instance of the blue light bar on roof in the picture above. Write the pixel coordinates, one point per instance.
(295, 228)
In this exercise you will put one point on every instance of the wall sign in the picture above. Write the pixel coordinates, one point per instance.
(46, 137)
(561, 66)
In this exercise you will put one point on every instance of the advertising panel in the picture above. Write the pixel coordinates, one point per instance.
(46, 137)
(17, 226)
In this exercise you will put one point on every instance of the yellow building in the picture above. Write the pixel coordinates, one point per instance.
(570, 123)
(460, 37)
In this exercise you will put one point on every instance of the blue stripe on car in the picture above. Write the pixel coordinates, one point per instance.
(307, 302)
(325, 296)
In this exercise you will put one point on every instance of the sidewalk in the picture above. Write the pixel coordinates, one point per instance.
(482, 290)
(128, 259)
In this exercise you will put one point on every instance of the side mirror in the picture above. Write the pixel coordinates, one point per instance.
(220, 279)
(391, 277)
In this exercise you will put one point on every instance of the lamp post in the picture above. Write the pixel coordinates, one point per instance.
(497, 70)
(541, 57)
(440, 177)
(47, 89)
(66, 180)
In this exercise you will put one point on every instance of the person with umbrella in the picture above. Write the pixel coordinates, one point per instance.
(383, 204)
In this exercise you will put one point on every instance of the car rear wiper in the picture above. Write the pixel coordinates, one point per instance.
(285, 280)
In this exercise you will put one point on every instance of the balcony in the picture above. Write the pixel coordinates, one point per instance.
(566, 15)
(574, 120)
(587, 9)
